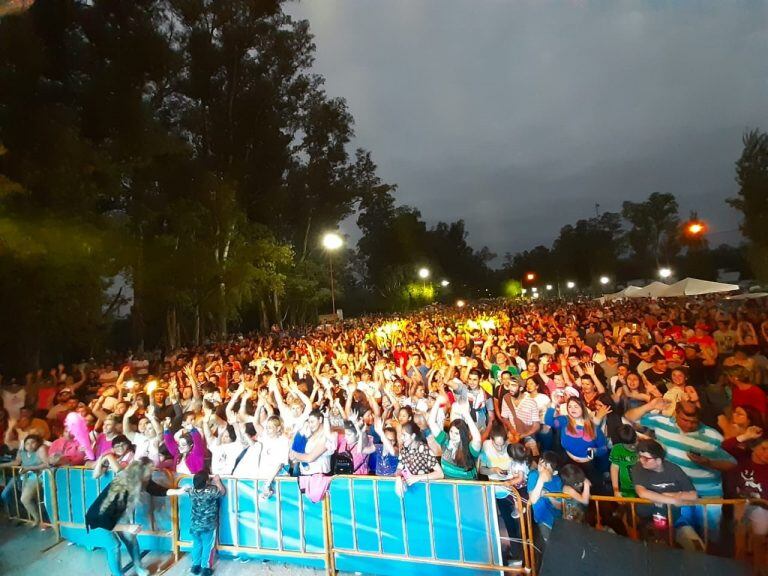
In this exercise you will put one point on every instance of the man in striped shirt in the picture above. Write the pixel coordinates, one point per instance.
(695, 448)
(520, 416)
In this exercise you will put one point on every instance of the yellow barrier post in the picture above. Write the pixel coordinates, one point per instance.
(330, 556)
(16, 492)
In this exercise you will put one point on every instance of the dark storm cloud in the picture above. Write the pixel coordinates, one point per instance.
(519, 116)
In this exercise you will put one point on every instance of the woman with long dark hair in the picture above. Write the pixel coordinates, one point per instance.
(461, 445)
(117, 501)
(417, 461)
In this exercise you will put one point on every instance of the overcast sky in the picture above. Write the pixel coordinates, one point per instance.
(520, 115)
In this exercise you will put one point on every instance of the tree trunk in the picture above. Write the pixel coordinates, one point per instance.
(197, 325)
(264, 315)
(137, 310)
(222, 310)
(276, 302)
(306, 238)
(171, 328)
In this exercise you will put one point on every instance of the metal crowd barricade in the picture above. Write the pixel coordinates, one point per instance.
(48, 517)
(438, 527)
(283, 527)
(633, 528)
(447, 526)
(73, 489)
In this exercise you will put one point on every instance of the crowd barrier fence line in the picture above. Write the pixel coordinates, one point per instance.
(42, 509)
(481, 554)
(633, 503)
(361, 525)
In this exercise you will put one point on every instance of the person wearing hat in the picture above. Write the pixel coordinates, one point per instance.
(63, 403)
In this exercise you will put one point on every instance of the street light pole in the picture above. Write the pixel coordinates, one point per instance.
(333, 291)
(332, 242)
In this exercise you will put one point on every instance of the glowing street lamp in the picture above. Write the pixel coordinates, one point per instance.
(604, 280)
(525, 291)
(534, 290)
(665, 272)
(570, 285)
(423, 273)
(695, 228)
(460, 303)
(530, 276)
(549, 286)
(331, 243)
(444, 283)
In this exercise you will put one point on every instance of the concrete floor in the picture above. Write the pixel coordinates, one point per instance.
(26, 551)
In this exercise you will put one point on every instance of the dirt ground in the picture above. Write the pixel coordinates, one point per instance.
(26, 551)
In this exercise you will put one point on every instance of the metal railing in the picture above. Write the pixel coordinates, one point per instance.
(361, 520)
(12, 475)
(633, 526)
(493, 561)
(263, 513)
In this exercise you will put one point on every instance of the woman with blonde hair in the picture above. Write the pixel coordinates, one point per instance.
(117, 501)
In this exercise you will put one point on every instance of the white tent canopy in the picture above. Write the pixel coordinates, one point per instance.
(653, 290)
(696, 287)
(626, 293)
(748, 296)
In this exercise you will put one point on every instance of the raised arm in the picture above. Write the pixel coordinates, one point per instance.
(127, 422)
(435, 426)
(635, 414)
(378, 426)
(590, 370)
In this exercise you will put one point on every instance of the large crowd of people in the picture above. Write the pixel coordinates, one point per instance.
(663, 400)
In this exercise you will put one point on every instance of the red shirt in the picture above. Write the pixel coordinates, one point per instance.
(750, 396)
(71, 454)
(751, 479)
(674, 332)
(401, 358)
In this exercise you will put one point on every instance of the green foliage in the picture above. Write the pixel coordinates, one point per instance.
(396, 242)
(752, 198)
(589, 248)
(512, 288)
(654, 236)
(182, 146)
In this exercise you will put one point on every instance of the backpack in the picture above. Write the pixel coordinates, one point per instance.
(342, 463)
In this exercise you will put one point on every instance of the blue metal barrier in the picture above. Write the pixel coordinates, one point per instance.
(75, 490)
(438, 528)
(287, 527)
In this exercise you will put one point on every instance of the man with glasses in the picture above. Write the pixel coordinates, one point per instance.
(663, 482)
(659, 480)
(695, 448)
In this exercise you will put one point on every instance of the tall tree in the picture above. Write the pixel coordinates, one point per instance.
(590, 248)
(655, 226)
(752, 198)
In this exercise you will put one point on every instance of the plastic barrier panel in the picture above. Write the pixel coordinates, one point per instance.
(287, 526)
(76, 488)
(437, 528)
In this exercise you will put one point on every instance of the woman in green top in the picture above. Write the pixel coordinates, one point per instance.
(461, 445)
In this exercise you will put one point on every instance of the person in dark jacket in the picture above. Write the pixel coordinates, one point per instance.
(117, 500)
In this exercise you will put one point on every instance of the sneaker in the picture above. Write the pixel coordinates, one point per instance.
(206, 572)
(195, 569)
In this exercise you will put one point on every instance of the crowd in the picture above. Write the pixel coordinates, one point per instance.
(663, 400)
